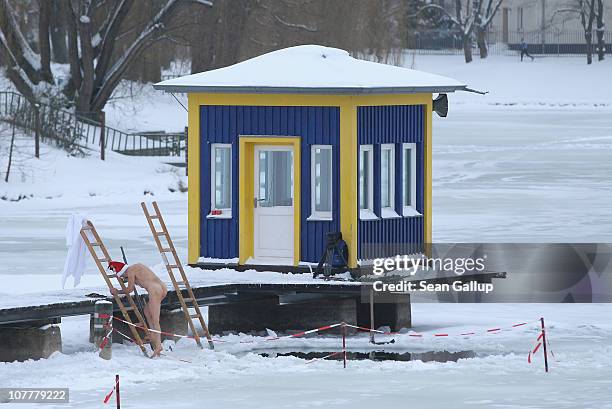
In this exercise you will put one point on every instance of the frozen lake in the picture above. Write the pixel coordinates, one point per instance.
(236, 376)
(500, 174)
(521, 175)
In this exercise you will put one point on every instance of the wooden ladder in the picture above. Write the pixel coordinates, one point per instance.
(97, 243)
(172, 265)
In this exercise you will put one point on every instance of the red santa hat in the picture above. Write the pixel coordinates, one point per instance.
(116, 266)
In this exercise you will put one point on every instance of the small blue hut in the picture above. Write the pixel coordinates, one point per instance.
(288, 146)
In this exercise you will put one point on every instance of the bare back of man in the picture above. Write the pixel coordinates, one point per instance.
(141, 275)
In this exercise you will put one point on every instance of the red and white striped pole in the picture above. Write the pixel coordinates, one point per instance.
(544, 344)
(117, 394)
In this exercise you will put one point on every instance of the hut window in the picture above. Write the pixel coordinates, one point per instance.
(409, 179)
(387, 180)
(221, 180)
(366, 177)
(321, 182)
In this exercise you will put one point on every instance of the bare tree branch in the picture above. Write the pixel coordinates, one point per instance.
(295, 25)
(107, 42)
(147, 37)
(17, 45)
(455, 21)
(13, 71)
(489, 16)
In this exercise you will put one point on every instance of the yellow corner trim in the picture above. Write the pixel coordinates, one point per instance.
(193, 170)
(348, 179)
(428, 171)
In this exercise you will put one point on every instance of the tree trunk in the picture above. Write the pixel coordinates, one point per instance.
(224, 28)
(10, 158)
(467, 48)
(588, 36)
(74, 82)
(87, 60)
(44, 11)
(481, 39)
(58, 34)
(601, 43)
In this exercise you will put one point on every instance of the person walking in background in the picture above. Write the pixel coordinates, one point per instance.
(525, 50)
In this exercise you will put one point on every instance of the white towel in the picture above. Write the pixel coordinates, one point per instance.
(77, 250)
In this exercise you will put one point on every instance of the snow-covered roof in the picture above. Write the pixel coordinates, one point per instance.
(311, 69)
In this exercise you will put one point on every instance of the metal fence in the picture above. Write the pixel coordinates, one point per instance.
(82, 130)
(549, 42)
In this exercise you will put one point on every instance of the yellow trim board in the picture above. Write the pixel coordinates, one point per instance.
(246, 180)
(348, 179)
(308, 100)
(193, 192)
(427, 148)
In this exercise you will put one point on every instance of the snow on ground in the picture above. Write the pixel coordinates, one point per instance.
(566, 82)
(71, 179)
(138, 107)
(527, 162)
(236, 376)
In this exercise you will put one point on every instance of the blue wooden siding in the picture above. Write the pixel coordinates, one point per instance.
(224, 124)
(400, 124)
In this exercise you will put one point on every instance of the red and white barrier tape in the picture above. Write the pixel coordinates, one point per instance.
(535, 348)
(153, 330)
(496, 330)
(328, 327)
(311, 331)
(110, 394)
(296, 335)
(123, 335)
(105, 339)
(324, 357)
(107, 325)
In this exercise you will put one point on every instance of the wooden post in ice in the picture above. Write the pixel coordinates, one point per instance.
(102, 327)
(344, 343)
(117, 393)
(36, 131)
(372, 315)
(544, 344)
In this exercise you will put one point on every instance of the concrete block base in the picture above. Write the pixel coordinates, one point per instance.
(389, 311)
(262, 314)
(173, 322)
(34, 340)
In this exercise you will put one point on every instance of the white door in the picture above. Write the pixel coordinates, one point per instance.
(273, 205)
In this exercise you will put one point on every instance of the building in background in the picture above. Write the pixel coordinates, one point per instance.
(547, 26)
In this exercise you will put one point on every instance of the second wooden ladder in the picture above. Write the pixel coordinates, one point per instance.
(173, 264)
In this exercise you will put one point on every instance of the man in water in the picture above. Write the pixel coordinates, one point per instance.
(142, 276)
(525, 50)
